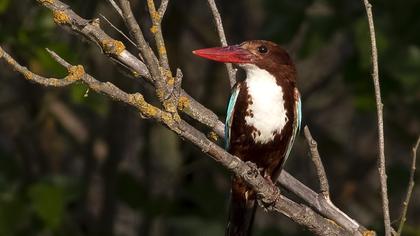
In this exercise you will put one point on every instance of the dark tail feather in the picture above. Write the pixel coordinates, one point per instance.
(242, 209)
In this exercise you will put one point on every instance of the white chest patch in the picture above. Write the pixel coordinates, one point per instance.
(266, 113)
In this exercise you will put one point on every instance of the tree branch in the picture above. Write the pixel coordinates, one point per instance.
(157, 32)
(162, 8)
(316, 158)
(337, 223)
(118, 30)
(379, 106)
(171, 98)
(266, 190)
(409, 188)
(320, 204)
(162, 90)
(116, 51)
(75, 73)
(116, 7)
(219, 26)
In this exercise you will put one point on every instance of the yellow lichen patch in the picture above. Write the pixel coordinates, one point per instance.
(60, 17)
(213, 136)
(167, 118)
(169, 106)
(160, 93)
(170, 81)
(183, 103)
(145, 108)
(369, 233)
(153, 13)
(112, 46)
(46, 1)
(28, 75)
(155, 16)
(176, 117)
(119, 46)
(154, 29)
(162, 50)
(149, 110)
(137, 98)
(76, 72)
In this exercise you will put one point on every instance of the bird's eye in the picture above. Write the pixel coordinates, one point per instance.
(262, 49)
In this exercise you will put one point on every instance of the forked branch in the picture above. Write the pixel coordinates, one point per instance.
(316, 159)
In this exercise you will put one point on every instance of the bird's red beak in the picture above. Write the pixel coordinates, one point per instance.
(229, 54)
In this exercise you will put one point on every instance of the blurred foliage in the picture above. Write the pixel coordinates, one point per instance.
(116, 178)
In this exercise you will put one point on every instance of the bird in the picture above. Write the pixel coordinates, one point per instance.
(262, 121)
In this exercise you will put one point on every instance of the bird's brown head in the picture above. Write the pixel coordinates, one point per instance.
(264, 54)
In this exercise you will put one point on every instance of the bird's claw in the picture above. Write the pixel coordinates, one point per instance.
(268, 202)
(253, 171)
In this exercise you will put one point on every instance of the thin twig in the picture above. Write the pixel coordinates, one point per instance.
(65, 17)
(118, 30)
(120, 13)
(95, 34)
(162, 90)
(170, 102)
(316, 158)
(116, 7)
(146, 110)
(137, 33)
(379, 106)
(322, 205)
(409, 188)
(177, 85)
(156, 29)
(219, 25)
(75, 73)
(162, 8)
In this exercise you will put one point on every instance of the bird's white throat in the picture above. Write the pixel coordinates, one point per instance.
(266, 112)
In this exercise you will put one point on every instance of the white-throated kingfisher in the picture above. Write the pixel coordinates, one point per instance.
(263, 118)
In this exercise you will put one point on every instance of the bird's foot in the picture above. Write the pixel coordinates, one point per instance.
(272, 195)
(254, 170)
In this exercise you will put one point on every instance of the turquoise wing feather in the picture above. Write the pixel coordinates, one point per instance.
(229, 114)
(296, 125)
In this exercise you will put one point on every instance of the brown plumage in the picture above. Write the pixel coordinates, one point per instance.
(268, 156)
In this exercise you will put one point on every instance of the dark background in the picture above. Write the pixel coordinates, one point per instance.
(73, 162)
